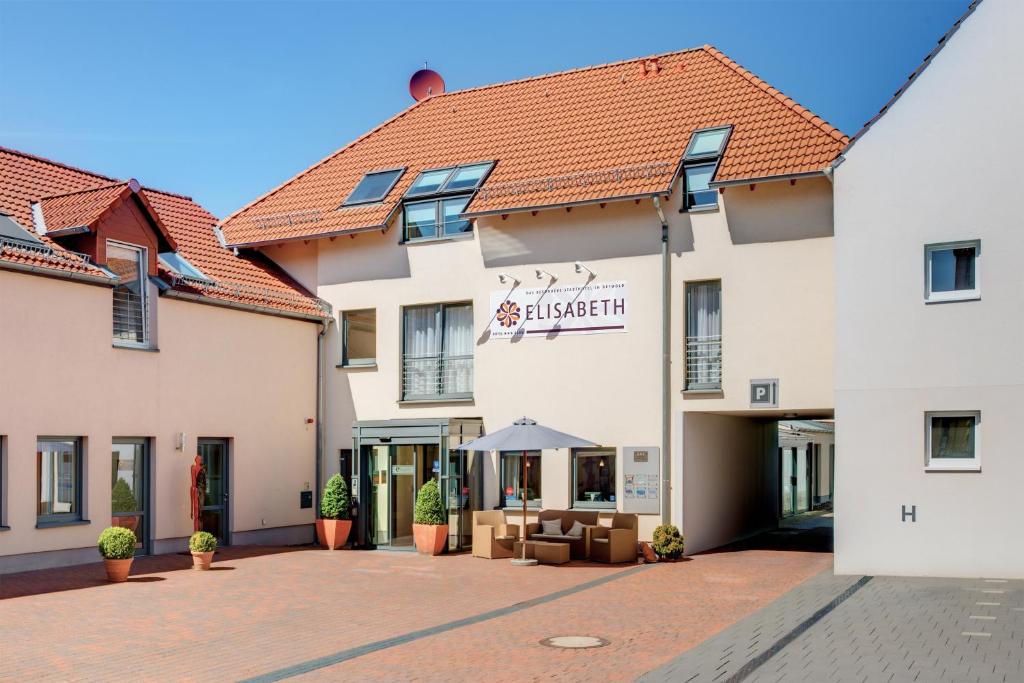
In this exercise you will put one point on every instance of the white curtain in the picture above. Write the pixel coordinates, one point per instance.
(704, 334)
(422, 350)
(458, 349)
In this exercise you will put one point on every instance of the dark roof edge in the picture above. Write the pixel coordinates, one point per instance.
(566, 205)
(84, 278)
(943, 41)
(247, 308)
(768, 178)
(306, 237)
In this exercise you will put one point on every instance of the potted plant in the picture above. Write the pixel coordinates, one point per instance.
(334, 525)
(202, 544)
(123, 500)
(429, 522)
(117, 546)
(668, 542)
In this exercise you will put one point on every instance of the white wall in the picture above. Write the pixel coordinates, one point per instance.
(218, 373)
(938, 166)
(730, 479)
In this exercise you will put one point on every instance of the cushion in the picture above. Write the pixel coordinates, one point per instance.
(576, 531)
(552, 526)
(599, 540)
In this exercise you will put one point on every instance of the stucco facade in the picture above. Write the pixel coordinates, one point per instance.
(217, 373)
(770, 247)
(931, 171)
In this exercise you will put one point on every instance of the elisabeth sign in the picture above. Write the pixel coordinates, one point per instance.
(560, 309)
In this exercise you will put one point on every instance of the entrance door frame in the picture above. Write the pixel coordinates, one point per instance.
(146, 504)
(226, 473)
(446, 433)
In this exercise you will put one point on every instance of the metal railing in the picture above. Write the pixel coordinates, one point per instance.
(10, 245)
(436, 376)
(704, 362)
(250, 293)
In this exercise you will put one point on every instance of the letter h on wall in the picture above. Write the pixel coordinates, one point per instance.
(910, 514)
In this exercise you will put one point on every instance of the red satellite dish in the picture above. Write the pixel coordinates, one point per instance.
(424, 83)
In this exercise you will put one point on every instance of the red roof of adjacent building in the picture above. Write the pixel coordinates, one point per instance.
(69, 197)
(599, 133)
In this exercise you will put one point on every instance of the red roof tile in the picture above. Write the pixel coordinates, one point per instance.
(604, 132)
(71, 197)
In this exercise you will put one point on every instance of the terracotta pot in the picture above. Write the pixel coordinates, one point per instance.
(117, 570)
(431, 539)
(649, 555)
(333, 533)
(131, 523)
(202, 560)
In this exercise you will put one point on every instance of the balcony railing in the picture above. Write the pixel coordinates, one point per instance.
(436, 377)
(703, 363)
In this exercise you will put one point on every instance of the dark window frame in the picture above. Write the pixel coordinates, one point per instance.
(601, 451)
(63, 518)
(531, 503)
(398, 171)
(440, 311)
(147, 336)
(439, 223)
(691, 161)
(443, 189)
(346, 360)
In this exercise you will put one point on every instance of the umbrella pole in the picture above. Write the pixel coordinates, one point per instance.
(523, 489)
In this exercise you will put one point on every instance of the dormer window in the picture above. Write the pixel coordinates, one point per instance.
(436, 199)
(129, 264)
(374, 187)
(699, 165)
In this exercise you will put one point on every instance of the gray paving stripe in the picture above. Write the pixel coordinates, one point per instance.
(352, 653)
(759, 661)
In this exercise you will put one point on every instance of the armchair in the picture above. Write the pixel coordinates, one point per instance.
(492, 537)
(615, 543)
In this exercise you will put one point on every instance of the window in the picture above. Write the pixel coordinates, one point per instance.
(704, 335)
(59, 476)
(374, 187)
(453, 179)
(129, 263)
(512, 475)
(128, 488)
(437, 352)
(359, 337)
(593, 478)
(952, 440)
(951, 271)
(181, 266)
(700, 162)
(439, 217)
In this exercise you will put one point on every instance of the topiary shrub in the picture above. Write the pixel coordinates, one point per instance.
(334, 504)
(121, 498)
(117, 543)
(668, 542)
(428, 505)
(202, 542)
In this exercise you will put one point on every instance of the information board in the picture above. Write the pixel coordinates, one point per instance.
(642, 488)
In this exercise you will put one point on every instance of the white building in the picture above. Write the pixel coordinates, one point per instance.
(930, 316)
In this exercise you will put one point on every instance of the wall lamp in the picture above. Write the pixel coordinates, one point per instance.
(503, 277)
(541, 274)
(580, 268)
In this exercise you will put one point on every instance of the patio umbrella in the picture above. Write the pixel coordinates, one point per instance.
(524, 435)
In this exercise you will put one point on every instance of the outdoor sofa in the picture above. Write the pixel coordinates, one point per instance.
(578, 549)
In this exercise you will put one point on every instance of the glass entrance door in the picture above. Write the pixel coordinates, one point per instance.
(403, 495)
(129, 487)
(214, 505)
(796, 480)
(396, 472)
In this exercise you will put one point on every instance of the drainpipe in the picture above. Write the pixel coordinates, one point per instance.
(666, 367)
(319, 414)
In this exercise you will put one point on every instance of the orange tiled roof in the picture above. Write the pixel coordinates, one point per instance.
(604, 132)
(71, 197)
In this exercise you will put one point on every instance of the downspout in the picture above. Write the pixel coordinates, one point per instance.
(666, 367)
(324, 323)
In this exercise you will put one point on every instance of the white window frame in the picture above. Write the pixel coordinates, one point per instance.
(952, 464)
(931, 297)
(144, 288)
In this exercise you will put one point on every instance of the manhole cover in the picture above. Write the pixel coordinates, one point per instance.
(574, 642)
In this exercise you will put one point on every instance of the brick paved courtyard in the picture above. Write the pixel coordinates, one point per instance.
(276, 614)
(290, 612)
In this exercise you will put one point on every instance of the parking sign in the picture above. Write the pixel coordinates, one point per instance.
(764, 393)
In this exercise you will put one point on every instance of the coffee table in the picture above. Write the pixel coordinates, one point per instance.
(545, 552)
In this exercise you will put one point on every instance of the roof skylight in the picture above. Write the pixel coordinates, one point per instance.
(374, 187)
(707, 143)
(180, 265)
(452, 179)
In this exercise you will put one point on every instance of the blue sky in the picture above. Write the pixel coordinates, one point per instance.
(223, 101)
